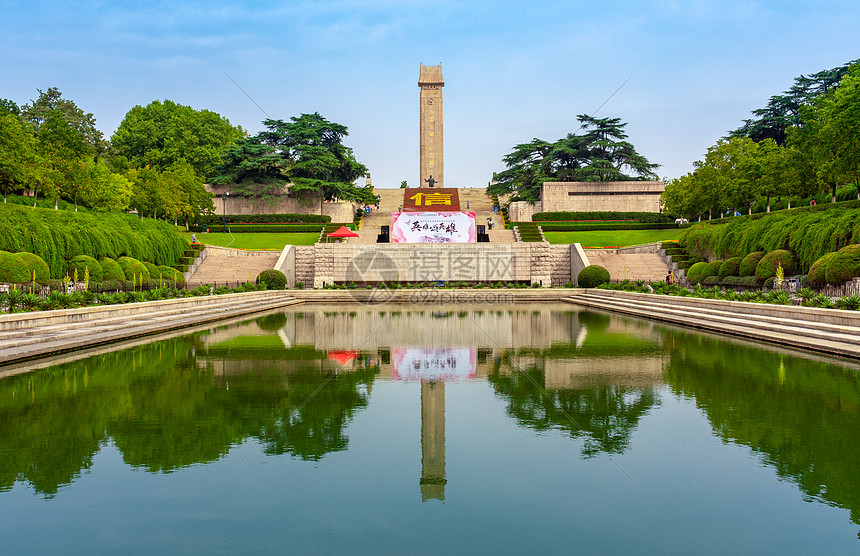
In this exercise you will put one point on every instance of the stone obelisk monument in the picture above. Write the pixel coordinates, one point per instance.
(432, 164)
(432, 441)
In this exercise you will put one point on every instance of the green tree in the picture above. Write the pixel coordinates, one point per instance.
(82, 123)
(837, 132)
(307, 152)
(103, 189)
(600, 153)
(162, 134)
(18, 157)
(65, 152)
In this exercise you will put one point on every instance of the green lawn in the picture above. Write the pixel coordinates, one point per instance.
(613, 238)
(254, 240)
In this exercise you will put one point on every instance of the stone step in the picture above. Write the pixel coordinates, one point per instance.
(794, 332)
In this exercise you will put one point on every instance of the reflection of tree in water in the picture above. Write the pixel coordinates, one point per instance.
(604, 416)
(163, 412)
(801, 416)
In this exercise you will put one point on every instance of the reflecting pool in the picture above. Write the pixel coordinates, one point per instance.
(426, 429)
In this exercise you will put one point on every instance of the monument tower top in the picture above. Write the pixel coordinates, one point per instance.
(432, 167)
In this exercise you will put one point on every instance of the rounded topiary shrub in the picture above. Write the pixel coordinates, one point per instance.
(844, 265)
(818, 271)
(36, 263)
(273, 279)
(111, 270)
(84, 262)
(171, 277)
(749, 263)
(132, 267)
(766, 267)
(710, 269)
(13, 269)
(694, 271)
(152, 269)
(592, 276)
(731, 267)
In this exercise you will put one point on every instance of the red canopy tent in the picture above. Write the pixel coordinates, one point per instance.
(343, 357)
(343, 231)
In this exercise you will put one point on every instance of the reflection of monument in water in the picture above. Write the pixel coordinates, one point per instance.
(432, 440)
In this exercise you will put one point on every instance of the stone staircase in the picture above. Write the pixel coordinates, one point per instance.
(630, 266)
(825, 330)
(223, 265)
(392, 199)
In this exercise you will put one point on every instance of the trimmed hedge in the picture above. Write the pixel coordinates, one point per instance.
(152, 269)
(594, 226)
(695, 270)
(13, 269)
(652, 217)
(766, 267)
(131, 267)
(169, 274)
(748, 263)
(264, 228)
(684, 265)
(710, 269)
(818, 271)
(216, 220)
(809, 232)
(35, 262)
(273, 279)
(730, 268)
(592, 276)
(84, 262)
(670, 244)
(111, 270)
(711, 281)
(672, 251)
(844, 265)
(59, 235)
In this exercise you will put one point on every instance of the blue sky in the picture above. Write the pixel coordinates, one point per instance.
(513, 70)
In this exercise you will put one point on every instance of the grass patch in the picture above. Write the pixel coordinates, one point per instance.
(613, 238)
(254, 240)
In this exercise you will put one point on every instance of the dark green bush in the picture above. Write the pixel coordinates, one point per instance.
(111, 270)
(711, 280)
(152, 269)
(273, 279)
(695, 270)
(670, 244)
(750, 281)
(169, 274)
(13, 269)
(592, 276)
(132, 267)
(748, 263)
(730, 268)
(766, 267)
(844, 265)
(84, 262)
(732, 280)
(818, 271)
(684, 265)
(35, 263)
(710, 269)
(672, 251)
(110, 286)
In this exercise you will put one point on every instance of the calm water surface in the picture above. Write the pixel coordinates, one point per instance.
(409, 429)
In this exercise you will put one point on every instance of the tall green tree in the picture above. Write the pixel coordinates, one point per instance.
(81, 123)
(162, 134)
(19, 160)
(599, 153)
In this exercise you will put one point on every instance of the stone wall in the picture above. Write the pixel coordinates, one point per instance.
(623, 196)
(521, 211)
(286, 203)
(540, 263)
(304, 266)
